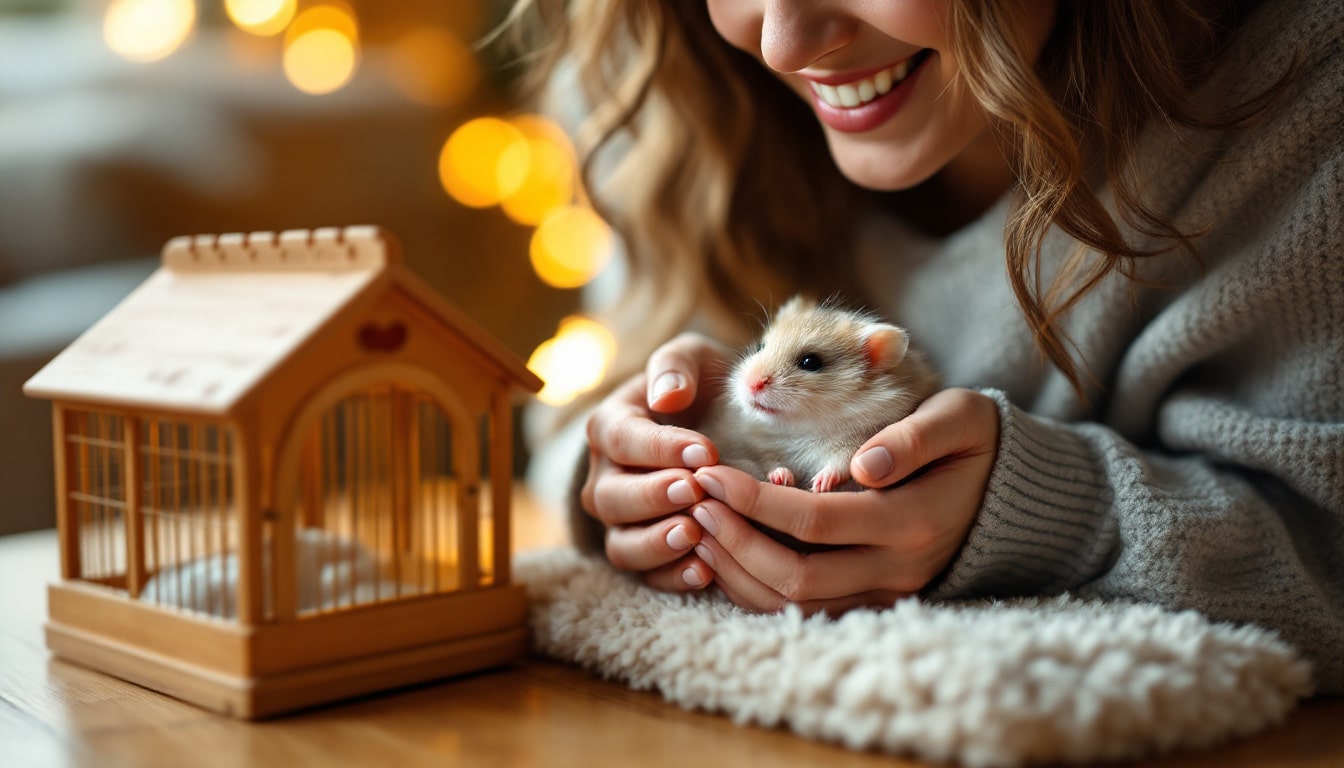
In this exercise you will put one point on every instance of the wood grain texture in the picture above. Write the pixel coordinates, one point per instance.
(535, 713)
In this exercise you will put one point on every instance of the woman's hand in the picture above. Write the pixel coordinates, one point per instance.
(890, 542)
(641, 458)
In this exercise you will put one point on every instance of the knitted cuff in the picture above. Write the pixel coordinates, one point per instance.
(1046, 522)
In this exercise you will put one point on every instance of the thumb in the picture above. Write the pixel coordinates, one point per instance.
(949, 423)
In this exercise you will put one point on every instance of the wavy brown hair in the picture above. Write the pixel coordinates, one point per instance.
(687, 137)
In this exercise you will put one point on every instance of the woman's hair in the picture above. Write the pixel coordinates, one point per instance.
(688, 138)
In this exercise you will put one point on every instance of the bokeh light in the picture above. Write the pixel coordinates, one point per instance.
(261, 17)
(433, 67)
(570, 247)
(148, 30)
(548, 170)
(330, 14)
(574, 360)
(322, 48)
(469, 165)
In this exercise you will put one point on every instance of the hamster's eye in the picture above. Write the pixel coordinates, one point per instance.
(811, 362)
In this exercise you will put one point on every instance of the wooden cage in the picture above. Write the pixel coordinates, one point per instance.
(283, 475)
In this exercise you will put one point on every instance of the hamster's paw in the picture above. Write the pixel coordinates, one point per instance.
(828, 479)
(781, 476)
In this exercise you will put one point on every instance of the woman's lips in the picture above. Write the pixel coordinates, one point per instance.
(865, 102)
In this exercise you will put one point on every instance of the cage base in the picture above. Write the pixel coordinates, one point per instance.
(266, 696)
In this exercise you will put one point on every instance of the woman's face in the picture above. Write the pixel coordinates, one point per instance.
(881, 76)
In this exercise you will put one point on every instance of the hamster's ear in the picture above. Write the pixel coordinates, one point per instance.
(885, 345)
(794, 306)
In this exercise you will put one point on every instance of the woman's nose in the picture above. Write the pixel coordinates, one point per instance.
(797, 33)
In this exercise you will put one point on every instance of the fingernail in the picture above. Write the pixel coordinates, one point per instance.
(692, 578)
(681, 493)
(712, 487)
(666, 383)
(876, 462)
(706, 520)
(678, 539)
(695, 456)
(704, 554)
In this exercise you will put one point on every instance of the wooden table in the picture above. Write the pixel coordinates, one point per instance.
(534, 713)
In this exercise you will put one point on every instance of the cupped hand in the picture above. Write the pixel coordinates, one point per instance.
(927, 474)
(642, 453)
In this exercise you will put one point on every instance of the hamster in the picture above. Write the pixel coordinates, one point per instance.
(823, 380)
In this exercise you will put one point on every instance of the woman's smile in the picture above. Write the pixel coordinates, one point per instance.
(860, 101)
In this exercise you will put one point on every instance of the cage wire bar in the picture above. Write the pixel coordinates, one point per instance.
(389, 507)
(152, 505)
(383, 503)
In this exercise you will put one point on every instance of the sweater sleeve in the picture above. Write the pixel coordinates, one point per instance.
(1212, 478)
(1077, 508)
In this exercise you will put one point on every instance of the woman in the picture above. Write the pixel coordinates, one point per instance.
(1114, 228)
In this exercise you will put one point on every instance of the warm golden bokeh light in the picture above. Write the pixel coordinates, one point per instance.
(548, 179)
(433, 67)
(330, 14)
(148, 30)
(574, 360)
(322, 47)
(320, 61)
(570, 247)
(261, 17)
(469, 165)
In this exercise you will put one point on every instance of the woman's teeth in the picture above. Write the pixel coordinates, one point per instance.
(863, 90)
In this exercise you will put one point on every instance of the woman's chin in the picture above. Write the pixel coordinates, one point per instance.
(882, 174)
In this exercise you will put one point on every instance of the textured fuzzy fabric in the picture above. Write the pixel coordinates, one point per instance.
(983, 684)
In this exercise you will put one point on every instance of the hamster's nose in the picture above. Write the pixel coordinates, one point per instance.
(757, 383)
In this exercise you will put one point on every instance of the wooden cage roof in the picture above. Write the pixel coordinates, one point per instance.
(223, 312)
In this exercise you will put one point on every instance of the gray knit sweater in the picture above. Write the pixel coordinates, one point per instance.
(1206, 470)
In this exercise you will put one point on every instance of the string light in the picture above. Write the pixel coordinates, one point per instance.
(148, 30)
(469, 165)
(261, 17)
(574, 360)
(322, 49)
(570, 247)
(549, 171)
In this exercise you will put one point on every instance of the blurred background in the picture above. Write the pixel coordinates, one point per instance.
(124, 123)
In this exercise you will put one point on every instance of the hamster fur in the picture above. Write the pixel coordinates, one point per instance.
(823, 380)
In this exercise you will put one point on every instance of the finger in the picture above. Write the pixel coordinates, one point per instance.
(646, 547)
(817, 578)
(737, 584)
(626, 436)
(951, 422)
(620, 497)
(840, 518)
(675, 370)
(687, 574)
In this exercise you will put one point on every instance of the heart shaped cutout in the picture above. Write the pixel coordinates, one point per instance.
(382, 338)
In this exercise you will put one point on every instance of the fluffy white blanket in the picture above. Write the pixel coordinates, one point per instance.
(983, 684)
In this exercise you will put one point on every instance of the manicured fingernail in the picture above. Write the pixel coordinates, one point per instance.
(704, 554)
(678, 540)
(876, 462)
(712, 487)
(692, 578)
(681, 493)
(695, 456)
(706, 520)
(666, 383)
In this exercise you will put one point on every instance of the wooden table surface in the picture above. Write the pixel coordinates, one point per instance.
(533, 713)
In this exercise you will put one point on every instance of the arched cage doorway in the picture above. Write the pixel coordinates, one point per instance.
(386, 501)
